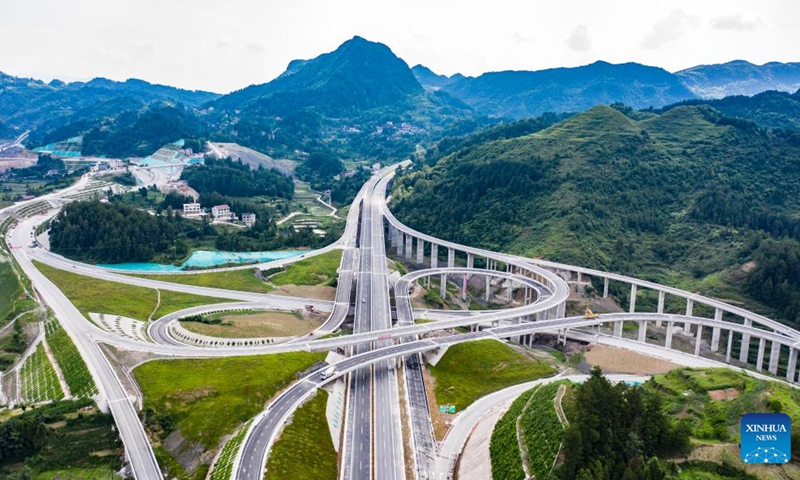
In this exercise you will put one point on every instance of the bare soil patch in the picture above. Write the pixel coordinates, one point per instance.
(307, 291)
(726, 394)
(257, 325)
(617, 360)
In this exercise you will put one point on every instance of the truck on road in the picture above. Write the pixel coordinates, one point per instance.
(327, 372)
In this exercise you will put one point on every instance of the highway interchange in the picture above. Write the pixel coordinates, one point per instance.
(372, 436)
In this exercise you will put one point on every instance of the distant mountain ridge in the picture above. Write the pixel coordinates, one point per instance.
(520, 94)
(740, 78)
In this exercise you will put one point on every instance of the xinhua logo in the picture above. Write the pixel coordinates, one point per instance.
(766, 438)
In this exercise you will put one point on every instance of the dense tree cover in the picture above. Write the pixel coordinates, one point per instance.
(769, 109)
(320, 165)
(114, 233)
(452, 144)
(233, 178)
(775, 278)
(54, 436)
(44, 165)
(619, 432)
(345, 190)
(135, 133)
(682, 192)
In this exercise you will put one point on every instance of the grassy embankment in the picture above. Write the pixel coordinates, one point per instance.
(304, 450)
(101, 296)
(316, 270)
(241, 280)
(203, 401)
(470, 370)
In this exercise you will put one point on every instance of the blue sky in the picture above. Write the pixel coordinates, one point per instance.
(227, 45)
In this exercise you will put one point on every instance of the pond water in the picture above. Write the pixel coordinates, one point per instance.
(207, 259)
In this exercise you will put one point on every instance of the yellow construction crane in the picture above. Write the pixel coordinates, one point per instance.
(589, 314)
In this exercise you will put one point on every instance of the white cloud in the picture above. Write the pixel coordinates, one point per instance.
(735, 23)
(144, 50)
(579, 40)
(668, 30)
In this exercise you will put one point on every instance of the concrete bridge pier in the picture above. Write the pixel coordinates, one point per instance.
(774, 355)
(420, 251)
(409, 239)
(399, 244)
(730, 346)
(642, 332)
(451, 258)
(668, 342)
(762, 343)
(488, 287)
(470, 262)
(790, 368)
(698, 341)
(687, 327)
(633, 299)
(660, 305)
(561, 310)
(744, 350)
(618, 329)
(605, 287)
(715, 339)
(443, 286)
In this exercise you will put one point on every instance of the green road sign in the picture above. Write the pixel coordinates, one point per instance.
(452, 409)
(443, 408)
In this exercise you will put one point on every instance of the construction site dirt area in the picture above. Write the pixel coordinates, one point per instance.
(316, 292)
(617, 360)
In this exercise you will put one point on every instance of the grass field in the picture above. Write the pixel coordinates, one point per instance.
(241, 280)
(317, 270)
(471, 370)
(78, 474)
(101, 296)
(207, 399)
(304, 450)
(255, 324)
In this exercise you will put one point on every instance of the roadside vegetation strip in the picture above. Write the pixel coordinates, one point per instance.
(316, 270)
(240, 280)
(542, 430)
(38, 378)
(92, 295)
(470, 370)
(10, 289)
(204, 400)
(504, 449)
(304, 451)
(223, 468)
(76, 374)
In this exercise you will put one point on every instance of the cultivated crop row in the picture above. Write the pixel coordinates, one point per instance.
(504, 448)
(38, 380)
(76, 373)
(542, 431)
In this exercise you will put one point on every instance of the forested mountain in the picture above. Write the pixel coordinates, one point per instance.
(684, 195)
(520, 94)
(140, 133)
(28, 103)
(359, 99)
(771, 109)
(740, 78)
(6, 132)
(432, 80)
(228, 177)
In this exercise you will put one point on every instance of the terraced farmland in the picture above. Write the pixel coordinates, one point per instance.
(38, 380)
(76, 374)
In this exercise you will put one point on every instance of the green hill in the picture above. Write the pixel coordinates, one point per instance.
(677, 198)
